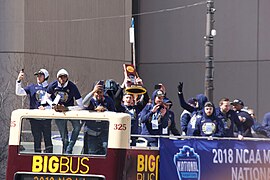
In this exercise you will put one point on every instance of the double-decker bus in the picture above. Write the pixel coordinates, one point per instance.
(119, 160)
(183, 158)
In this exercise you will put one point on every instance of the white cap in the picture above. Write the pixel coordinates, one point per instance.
(62, 72)
(44, 72)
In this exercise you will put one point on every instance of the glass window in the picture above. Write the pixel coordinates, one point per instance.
(63, 136)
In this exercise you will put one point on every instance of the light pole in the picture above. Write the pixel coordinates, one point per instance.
(132, 41)
(209, 57)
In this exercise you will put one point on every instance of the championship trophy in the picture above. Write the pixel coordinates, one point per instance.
(132, 86)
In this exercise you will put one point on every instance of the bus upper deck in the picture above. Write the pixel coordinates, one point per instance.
(176, 158)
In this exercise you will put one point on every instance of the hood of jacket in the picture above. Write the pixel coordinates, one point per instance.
(154, 94)
(202, 99)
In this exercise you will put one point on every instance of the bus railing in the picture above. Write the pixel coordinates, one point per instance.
(142, 141)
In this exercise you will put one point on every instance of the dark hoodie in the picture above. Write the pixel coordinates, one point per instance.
(146, 117)
(207, 125)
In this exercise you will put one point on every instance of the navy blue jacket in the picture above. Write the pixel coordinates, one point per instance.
(107, 103)
(247, 124)
(263, 128)
(172, 129)
(208, 125)
(266, 121)
(230, 119)
(134, 112)
(99, 126)
(146, 116)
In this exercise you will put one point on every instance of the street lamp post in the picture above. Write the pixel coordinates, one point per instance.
(209, 57)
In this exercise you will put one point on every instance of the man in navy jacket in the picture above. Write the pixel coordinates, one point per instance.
(229, 118)
(154, 117)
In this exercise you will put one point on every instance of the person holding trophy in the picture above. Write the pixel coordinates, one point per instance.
(131, 101)
(133, 84)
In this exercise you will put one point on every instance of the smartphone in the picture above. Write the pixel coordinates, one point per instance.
(157, 86)
(101, 82)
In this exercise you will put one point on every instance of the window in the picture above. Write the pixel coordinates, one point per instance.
(64, 136)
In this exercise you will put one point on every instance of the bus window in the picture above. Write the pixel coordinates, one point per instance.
(96, 137)
(92, 136)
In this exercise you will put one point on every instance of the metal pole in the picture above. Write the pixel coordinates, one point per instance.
(132, 41)
(209, 57)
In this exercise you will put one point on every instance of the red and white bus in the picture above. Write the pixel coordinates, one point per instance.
(119, 162)
(177, 158)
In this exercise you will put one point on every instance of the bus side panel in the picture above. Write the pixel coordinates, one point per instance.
(141, 165)
(17, 163)
(11, 168)
(111, 166)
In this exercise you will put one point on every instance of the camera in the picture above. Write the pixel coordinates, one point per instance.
(161, 106)
(101, 82)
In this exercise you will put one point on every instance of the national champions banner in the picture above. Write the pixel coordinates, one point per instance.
(202, 159)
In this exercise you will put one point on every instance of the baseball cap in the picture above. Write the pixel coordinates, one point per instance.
(208, 104)
(168, 102)
(192, 101)
(62, 72)
(42, 71)
(237, 101)
(160, 93)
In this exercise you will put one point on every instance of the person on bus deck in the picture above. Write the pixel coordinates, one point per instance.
(264, 128)
(63, 92)
(229, 118)
(154, 117)
(258, 130)
(171, 128)
(96, 132)
(208, 124)
(201, 100)
(186, 116)
(128, 107)
(36, 93)
(196, 111)
(125, 102)
(244, 117)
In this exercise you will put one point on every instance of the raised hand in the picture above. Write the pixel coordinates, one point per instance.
(180, 87)
(20, 76)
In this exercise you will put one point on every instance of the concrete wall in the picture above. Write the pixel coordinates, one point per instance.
(88, 38)
(171, 49)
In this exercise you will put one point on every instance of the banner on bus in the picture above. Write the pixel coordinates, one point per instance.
(199, 159)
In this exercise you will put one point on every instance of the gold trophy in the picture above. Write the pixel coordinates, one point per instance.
(132, 86)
